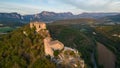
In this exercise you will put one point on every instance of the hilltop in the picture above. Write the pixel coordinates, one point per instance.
(32, 46)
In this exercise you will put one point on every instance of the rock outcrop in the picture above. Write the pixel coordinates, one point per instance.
(49, 44)
(67, 56)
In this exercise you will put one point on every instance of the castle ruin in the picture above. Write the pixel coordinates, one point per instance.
(38, 25)
(49, 44)
(71, 57)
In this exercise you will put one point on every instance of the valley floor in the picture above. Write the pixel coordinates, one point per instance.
(105, 56)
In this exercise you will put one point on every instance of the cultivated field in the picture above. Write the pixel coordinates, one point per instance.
(105, 56)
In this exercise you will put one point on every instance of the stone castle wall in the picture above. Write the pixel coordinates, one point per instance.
(49, 45)
(38, 25)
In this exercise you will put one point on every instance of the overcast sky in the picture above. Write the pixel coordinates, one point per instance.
(74, 6)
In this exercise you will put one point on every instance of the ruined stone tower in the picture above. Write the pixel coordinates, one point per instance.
(38, 25)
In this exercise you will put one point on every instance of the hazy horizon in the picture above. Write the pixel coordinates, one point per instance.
(75, 6)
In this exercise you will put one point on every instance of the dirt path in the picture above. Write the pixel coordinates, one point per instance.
(105, 56)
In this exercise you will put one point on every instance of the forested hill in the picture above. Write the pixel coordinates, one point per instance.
(76, 21)
(31, 46)
(21, 50)
(75, 37)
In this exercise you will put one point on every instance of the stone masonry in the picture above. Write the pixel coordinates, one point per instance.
(38, 25)
(49, 44)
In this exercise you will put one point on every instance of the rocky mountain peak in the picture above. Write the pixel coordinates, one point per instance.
(47, 13)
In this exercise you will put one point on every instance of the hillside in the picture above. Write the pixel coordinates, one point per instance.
(90, 41)
(76, 21)
(19, 50)
(31, 46)
(110, 37)
(74, 38)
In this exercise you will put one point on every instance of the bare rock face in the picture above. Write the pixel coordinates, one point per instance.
(71, 58)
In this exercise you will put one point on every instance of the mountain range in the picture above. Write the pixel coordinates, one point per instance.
(114, 18)
(46, 16)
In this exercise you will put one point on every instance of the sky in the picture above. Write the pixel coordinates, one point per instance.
(74, 6)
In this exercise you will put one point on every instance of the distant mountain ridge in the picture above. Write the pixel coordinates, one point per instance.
(11, 19)
(52, 16)
(46, 16)
(114, 18)
(96, 15)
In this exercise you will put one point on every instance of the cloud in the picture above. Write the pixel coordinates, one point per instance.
(94, 5)
(75, 6)
(23, 9)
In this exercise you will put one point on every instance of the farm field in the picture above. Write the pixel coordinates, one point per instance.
(105, 56)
